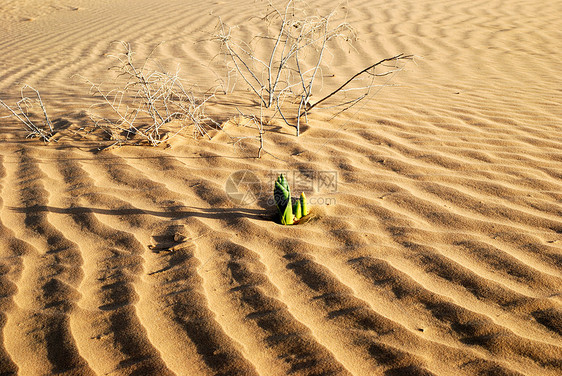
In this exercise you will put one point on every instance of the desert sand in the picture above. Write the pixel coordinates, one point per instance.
(438, 251)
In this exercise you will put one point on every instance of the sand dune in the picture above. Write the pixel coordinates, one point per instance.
(438, 252)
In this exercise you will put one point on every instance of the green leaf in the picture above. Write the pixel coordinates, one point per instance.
(304, 207)
(281, 197)
(287, 216)
(284, 183)
(297, 209)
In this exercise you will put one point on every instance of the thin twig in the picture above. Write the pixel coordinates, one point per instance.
(397, 57)
(147, 94)
(34, 130)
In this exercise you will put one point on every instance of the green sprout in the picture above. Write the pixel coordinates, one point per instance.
(288, 212)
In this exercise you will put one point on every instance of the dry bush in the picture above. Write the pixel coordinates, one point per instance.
(22, 112)
(148, 99)
(283, 67)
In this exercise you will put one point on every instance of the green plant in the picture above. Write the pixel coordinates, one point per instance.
(289, 213)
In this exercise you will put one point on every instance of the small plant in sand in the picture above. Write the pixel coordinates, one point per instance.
(284, 66)
(22, 112)
(289, 213)
(148, 100)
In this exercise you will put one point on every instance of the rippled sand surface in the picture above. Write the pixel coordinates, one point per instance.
(436, 249)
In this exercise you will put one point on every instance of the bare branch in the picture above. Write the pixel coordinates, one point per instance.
(149, 99)
(395, 58)
(22, 115)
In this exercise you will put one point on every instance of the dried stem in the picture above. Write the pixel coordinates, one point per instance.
(148, 100)
(297, 38)
(366, 70)
(22, 115)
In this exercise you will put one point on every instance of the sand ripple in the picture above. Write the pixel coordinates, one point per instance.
(439, 253)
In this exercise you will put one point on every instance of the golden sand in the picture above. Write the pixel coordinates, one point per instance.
(438, 252)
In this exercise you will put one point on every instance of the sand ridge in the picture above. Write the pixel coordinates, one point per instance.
(439, 253)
